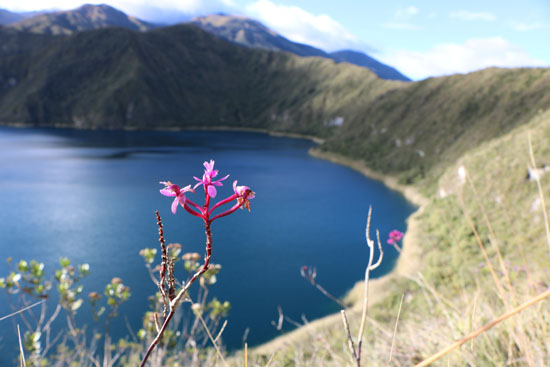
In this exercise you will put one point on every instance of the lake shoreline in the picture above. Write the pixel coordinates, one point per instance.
(410, 246)
(408, 263)
(317, 140)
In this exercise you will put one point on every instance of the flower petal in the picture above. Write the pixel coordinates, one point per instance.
(212, 191)
(168, 192)
(209, 166)
(181, 199)
(175, 205)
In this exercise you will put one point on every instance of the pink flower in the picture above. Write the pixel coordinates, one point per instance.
(394, 237)
(172, 190)
(206, 181)
(243, 195)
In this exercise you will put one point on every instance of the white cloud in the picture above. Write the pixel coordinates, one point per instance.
(451, 58)
(525, 27)
(29, 5)
(406, 12)
(401, 19)
(301, 26)
(473, 16)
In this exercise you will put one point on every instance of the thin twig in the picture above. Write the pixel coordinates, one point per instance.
(395, 329)
(351, 344)
(279, 324)
(370, 266)
(21, 310)
(22, 361)
(327, 294)
(176, 301)
(212, 339)
(271, 359)
(484, 328)
(221, 331)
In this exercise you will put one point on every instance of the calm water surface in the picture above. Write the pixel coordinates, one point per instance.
(91, 196)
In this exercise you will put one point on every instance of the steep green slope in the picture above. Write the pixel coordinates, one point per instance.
(360, 59)
(177, 76)
(429, 124)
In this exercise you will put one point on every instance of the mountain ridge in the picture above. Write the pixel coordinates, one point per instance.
(83, 18)
(237, 29)
(8, 17)
(251, 33)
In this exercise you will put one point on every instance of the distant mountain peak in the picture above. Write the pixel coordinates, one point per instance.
(234, 21)
(251, 33)
(8, 17)
(83, 18)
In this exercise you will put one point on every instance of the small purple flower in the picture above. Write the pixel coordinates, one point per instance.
(172, 190)
(244, 194)
(206, 181)
(394, 237)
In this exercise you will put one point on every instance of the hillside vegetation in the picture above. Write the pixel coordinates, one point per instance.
(461, 140)
(172, 77)
(184, 77)
(429, 124)
(448, 289)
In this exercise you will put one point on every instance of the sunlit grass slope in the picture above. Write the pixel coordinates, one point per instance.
(455, 291)
(427, 125)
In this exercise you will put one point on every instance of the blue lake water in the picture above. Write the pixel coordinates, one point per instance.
(91, 196)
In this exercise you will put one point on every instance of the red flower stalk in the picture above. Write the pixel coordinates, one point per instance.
(241, 196)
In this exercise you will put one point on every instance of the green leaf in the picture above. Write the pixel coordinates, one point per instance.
(64, 262)
(23, 266)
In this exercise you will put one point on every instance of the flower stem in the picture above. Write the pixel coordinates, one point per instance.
(175, 302)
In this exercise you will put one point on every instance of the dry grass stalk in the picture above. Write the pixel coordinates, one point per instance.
(395, 329)
(495, 242)
(541, 195)
(483, 251)
(356, 353)
(22, 310)
(22, 361)
(211, 338)
(484, 328)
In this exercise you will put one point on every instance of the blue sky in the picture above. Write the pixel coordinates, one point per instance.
(421, 38)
